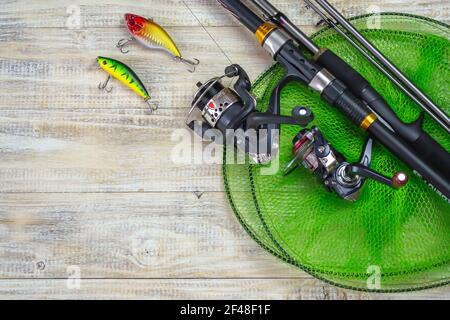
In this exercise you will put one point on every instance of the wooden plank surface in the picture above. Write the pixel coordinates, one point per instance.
(86, 177)
(205, 289)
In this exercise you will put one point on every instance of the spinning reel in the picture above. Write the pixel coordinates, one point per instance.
(229, 116)
(226, 115)
(313, 152)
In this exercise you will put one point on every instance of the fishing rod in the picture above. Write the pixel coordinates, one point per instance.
(334, 91)
(440, 117)
(398, 78)
(412, 133)
(383, 63)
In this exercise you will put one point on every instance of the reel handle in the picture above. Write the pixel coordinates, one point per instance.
(362, 169)
(301, 116)
(398, 181)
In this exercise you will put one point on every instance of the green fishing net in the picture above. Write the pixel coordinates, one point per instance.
(388, 240)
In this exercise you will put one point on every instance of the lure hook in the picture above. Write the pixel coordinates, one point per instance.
(123, 43)
(103, 85)
(152, 106)
(192, 64)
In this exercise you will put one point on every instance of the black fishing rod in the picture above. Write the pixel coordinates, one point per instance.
(412, 133)
(334, 91)
(335, 19)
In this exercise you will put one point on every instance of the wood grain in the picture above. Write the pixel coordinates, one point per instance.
(128, 235)
(204, 289)
(87, 178)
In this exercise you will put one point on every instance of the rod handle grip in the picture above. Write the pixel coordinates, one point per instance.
(339, 96)
(412, 133)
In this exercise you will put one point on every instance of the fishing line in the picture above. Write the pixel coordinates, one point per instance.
(209, 34)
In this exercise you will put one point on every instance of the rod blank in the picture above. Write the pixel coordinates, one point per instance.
(279, 18)
(411, 90)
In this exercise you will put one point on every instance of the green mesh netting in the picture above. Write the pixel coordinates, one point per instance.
(403, 235)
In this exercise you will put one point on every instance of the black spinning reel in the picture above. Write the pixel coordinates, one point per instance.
(313, 152)
(229, 116)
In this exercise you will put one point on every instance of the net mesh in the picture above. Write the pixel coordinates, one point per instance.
(388, 240)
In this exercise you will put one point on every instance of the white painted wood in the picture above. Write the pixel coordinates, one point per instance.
(86, 177)
(208, 289)
(128, 235)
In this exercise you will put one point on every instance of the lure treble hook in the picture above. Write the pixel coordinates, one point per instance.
(103, 85)
(152, 106)
(124, 43)
(192, 64)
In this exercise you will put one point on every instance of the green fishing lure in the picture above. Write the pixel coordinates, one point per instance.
(125, 75)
